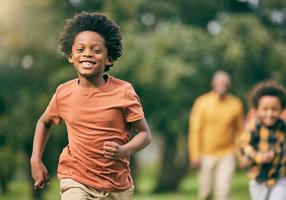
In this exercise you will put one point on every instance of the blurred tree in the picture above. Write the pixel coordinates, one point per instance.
(173, 64)
(6, 165)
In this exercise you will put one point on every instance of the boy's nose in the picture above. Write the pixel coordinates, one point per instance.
(87, 53)
(270, 113)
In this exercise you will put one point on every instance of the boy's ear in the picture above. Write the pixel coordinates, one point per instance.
(70, 58)
(109, 62)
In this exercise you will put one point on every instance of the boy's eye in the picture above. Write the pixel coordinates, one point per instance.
(96, 50)
(79, 49)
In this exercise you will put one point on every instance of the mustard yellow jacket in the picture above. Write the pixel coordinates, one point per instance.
(214, 125)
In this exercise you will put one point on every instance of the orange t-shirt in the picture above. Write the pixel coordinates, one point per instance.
(93, 116)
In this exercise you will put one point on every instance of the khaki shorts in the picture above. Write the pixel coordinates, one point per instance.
(73, 190)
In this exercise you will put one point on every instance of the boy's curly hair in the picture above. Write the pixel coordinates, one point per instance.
(268, 88)
(96, 22)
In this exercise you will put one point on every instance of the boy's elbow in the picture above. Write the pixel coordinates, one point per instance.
(148, 138)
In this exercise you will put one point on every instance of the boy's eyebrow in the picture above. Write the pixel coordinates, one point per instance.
(98, 46)
(93, 44)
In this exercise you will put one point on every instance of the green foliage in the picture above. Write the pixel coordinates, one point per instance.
(158, 64)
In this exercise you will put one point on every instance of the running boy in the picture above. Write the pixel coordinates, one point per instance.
(99, 111)
(264, 143)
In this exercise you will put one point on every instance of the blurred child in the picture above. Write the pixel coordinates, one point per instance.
(99, 111)
(263, 143)
(251, 115)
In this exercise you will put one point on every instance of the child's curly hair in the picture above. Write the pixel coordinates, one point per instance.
(97, 22)
(268, 88)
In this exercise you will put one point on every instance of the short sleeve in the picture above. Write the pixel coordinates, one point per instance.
(132, 107)
(52, 111)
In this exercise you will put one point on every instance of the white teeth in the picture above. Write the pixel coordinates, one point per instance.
(86, 64)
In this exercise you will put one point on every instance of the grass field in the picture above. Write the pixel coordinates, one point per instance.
(20, 190)
(188, 188)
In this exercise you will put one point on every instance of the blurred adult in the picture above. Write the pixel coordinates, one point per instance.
(215, 122)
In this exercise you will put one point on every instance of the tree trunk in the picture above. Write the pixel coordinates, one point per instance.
(37, 194)
(4, 185)
(174, 164)
(134, 169)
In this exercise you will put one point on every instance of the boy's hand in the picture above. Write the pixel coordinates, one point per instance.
(39, 174)
(244, 162)
(268, 156)
(113, 150)
(265, 157)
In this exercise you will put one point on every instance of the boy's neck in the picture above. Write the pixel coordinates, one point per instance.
(92, 82)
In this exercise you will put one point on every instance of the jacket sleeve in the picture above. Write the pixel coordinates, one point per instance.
(195, 128)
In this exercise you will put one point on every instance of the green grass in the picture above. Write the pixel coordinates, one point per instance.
(188, 188)
(21, 190)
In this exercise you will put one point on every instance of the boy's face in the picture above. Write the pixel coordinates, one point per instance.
(89, 55)
(268, 110)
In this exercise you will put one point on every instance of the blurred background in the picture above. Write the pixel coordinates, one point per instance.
(172, 49)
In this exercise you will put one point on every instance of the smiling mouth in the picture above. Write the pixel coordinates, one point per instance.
(87, 64)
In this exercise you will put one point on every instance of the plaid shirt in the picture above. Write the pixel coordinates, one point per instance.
(258, 139)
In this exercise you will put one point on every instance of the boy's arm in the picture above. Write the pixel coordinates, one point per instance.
(245, 146)
(249, 151)
(39, 171)
(139, 141)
